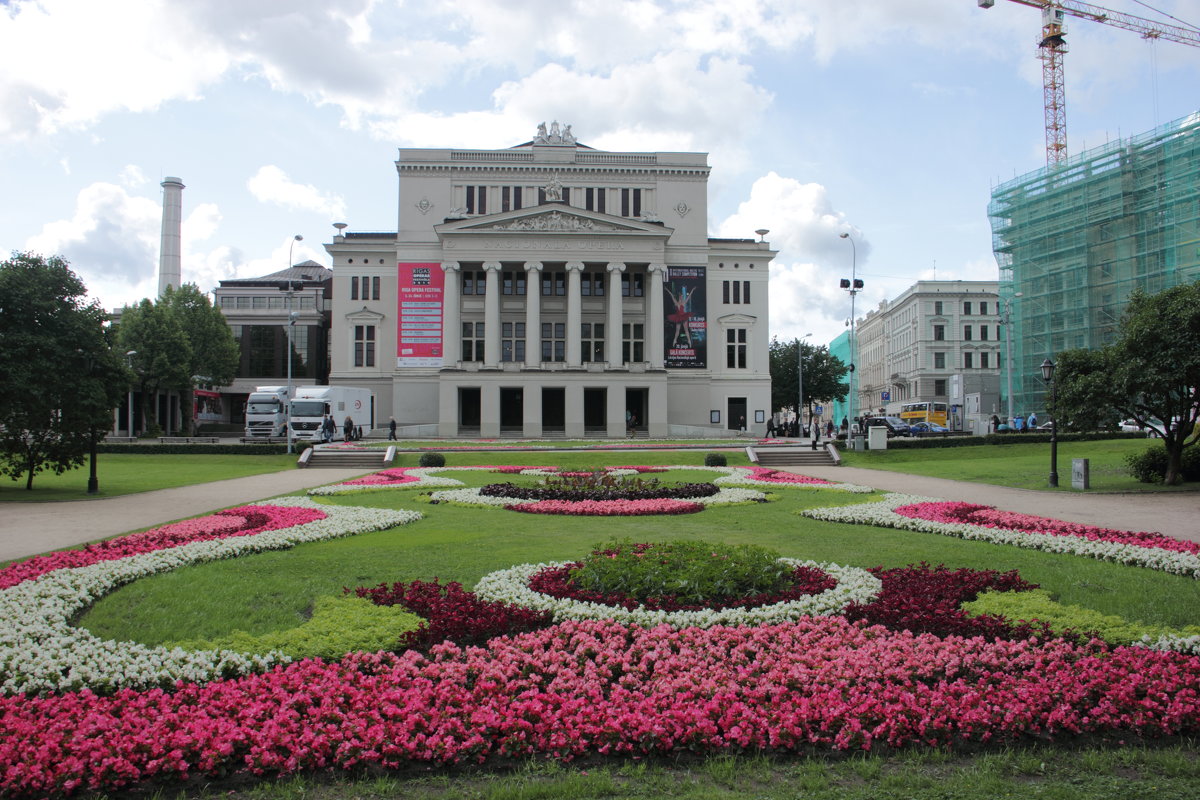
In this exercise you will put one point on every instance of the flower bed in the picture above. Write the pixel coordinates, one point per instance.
(764, 476)
(604, 508)
(1132, 549)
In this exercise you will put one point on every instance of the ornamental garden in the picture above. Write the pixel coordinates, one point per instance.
(590, 609)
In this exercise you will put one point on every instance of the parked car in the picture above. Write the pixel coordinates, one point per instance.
(895, 425)
(927, 428)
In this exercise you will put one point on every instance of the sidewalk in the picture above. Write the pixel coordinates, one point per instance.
(27, 529)
(1176, 514)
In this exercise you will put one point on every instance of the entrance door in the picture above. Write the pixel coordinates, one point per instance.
(512, 412)
(554, 409)
(595, 404)
(636, 406)
(737, 414)
(468, 407)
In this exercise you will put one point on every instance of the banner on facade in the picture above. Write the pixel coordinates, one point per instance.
(685, 336)
(419, 326)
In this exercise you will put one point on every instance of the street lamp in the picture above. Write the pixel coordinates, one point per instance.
(800, 385)
(854, 285)
(129, 362)
(292, 315)
(1048, 378)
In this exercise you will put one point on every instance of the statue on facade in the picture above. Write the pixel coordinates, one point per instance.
(555, 136)
(541, 134)
(554, 189)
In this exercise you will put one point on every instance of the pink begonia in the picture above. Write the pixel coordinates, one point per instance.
(586, 688)
(387, 476)
(607, 508)
(243, 521)
(989, 517)
(769, 475)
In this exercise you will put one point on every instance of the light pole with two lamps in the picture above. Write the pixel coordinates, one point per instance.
(129, 363)
(853, 285)
(292, 316)
(1048, 378)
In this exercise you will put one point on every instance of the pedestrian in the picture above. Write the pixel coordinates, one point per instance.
(829, 429)
(327, 428)
(1032, 421)
(845, 425)
(815, 428)
(391, 429)
(348, 429)
(1019, 424)
(995, 424)
(742, 423)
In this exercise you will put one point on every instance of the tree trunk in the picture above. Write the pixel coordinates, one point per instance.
(1174, 475)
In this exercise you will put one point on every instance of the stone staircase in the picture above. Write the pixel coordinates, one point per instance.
(366, 459)
(795, 457)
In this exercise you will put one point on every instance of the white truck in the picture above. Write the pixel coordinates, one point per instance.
(311, 404)
(266, 412)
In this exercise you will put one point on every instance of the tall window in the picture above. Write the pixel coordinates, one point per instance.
(554, 346)
(967, 307)
(592, 337)
(939, 387)
(476, 199)
(968, 360)
(631, 202)
(983, 360)
(939, 333)
(554, 283)
(593, 199)
(354, 287)
(967, 333)
(633, 285)
(374, 288)
(364, 345)
(735, 292)
(512, 283)
(983, 329)
(983, 308)
(512, 341)
(633, 339)
(939, 360)
(735, 348)
(591, 284)
(937, 308)
(472, 341)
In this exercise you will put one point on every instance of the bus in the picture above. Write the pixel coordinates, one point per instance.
(924, 412)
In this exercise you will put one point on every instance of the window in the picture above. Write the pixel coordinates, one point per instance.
(939, 333)
(512, 341)
(633, 285)
(593, 199)
(939, 360)
(735, 348)
(258, 302)
(592, 344)
(472, 341)
(939, 386)
(735, 292)
(968, 360)
(983, 308)
(554, 283)
(364, 345)
(983, 329)
(937, 308)
(967, 333)
(591, 284)
(354, 288)
(967, 308)
(633, 339)
(474, 282)
(983, 360)
(554, 346)
(374, 288)
(476, 199)
(631, 202)
(512, 283)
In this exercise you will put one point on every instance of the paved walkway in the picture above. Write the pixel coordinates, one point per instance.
(27, 529)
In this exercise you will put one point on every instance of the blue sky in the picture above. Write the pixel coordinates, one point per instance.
(889, 120)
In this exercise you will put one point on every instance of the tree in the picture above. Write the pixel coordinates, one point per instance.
(61, 378)
(214, 351)
(1150, 374)
(163, 352)
(824, 374)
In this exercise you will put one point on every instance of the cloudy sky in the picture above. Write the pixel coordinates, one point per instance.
(890, 120)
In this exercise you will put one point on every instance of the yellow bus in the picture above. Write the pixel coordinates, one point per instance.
(924, 412)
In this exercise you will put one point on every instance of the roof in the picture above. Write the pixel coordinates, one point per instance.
(305, 272)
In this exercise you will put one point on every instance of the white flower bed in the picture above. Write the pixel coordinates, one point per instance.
(884, 515)
(854, 585)
(41, 651)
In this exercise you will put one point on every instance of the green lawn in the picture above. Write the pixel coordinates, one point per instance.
(119, 474)
(1021, 466)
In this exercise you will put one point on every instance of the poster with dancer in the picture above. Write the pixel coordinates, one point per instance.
(686, 327)
(419, 336)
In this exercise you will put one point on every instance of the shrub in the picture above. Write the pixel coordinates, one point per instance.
(339, 625)
(432, 460)
(1150, 465)
(715, 460)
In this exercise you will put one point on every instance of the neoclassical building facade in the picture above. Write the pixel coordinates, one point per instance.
(553, 290)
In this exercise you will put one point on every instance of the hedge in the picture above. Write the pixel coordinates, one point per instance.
(922, 442)
(199, 449)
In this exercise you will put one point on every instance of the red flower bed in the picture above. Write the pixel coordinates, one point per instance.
(556, 582)
(601, 688)
(242, 521)
(775, 476)
(452, 613)
(680, 491)
(989, 517)
(607, 508)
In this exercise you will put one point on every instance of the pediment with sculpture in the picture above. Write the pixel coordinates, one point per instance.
(551, 218)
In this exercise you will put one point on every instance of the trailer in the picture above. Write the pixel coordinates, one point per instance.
(311, 404)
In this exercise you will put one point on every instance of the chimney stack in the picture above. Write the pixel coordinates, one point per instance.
(170, 258)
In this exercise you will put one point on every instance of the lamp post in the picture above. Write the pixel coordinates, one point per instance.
(853, 286)
(800, 385)
(129, 362)
(291, 326)
(1048, 378)
(1007, 323)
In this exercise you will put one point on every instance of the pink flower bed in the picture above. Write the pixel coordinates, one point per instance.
(582, 688)
(775, 476)
(989, 517)
(242, 521)
(607, 508)
(387, 477)
(517, 469)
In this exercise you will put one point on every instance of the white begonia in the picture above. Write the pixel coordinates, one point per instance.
(41, 651)
(511, 586)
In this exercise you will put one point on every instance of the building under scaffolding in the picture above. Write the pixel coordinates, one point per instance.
(1073, 241)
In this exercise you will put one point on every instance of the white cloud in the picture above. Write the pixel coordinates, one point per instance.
(271, 185)
(132, 177)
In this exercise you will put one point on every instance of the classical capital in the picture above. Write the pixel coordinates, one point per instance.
(533, 266)
(492, 265)
(450, 266)
(652, 268)
(577, 266)
(616, 266)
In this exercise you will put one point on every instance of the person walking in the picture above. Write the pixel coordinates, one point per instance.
(1032, 424)
(995, 424)
(391, 429)
(328, 428)
(348, 429)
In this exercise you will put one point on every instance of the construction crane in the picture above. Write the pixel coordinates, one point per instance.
(1052, 46)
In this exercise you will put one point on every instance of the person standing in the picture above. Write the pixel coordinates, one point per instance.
(391, 429)
(995, 424)
(1032, 421)
(348, 429)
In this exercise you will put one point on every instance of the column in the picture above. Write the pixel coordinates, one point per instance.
(451, 319)
(533, 318)
(489, 407)
(574, 314)
(491, 316)
(654, 323)
(616, 303)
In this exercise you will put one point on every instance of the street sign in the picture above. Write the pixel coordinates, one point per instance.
(887, 396)
(818, 410)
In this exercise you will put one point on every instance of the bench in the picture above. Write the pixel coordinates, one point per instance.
(188, 440)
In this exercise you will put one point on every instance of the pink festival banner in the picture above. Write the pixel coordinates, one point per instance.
(419, 335)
